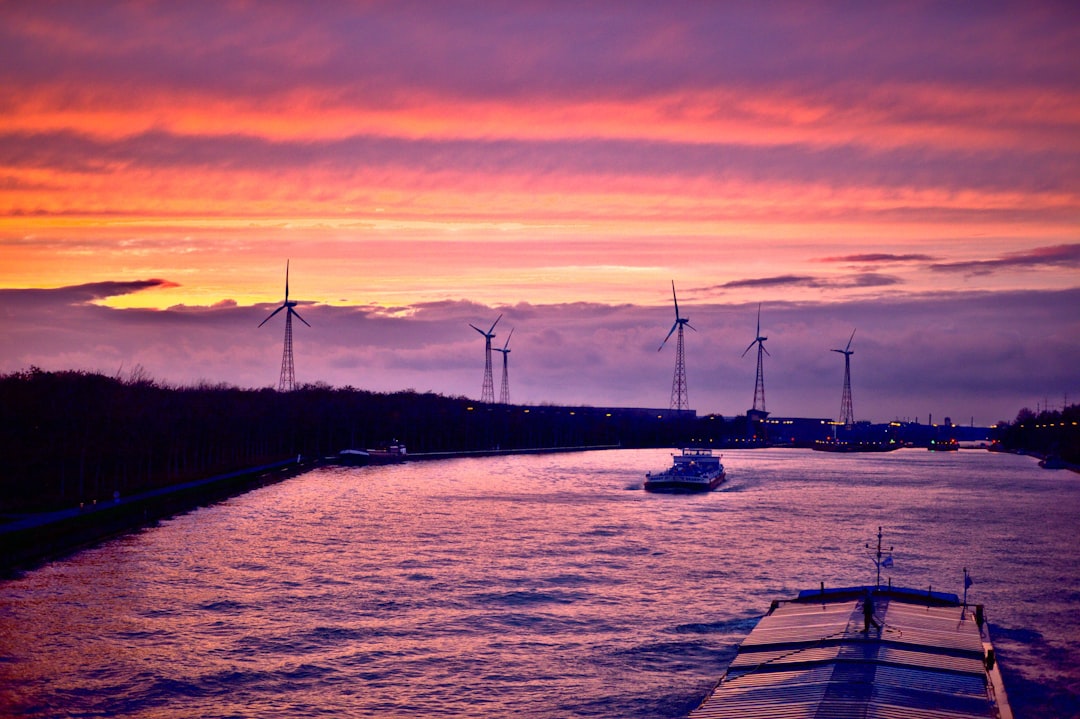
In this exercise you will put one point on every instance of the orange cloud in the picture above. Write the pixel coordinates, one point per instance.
(884, 118)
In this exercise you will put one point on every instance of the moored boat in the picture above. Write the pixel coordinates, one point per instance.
(695, 470)
(1053, 462)
(352, 457)
(392, 452)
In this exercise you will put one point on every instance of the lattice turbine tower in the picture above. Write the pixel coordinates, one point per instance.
(487, 391)
(287, 379)
(504, 394)
(759, 383)
(847, 413)
(679, 396)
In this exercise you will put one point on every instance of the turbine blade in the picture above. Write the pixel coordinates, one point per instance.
(849, 340)
(748, 348)
(765, 350)
(279, 309)
(687, 323)
(286, 280)
(508, 340)
(493, 324)
(297, 315)
(758, 319)
(478, 329)
(675, 298)
(668, 337)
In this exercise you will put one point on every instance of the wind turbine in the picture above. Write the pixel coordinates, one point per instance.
(679, 399)
(504, 395)
(759, 384)
(487, 393)
(847, 414)
(287, 381)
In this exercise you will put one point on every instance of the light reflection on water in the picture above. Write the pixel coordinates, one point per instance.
(532, 585)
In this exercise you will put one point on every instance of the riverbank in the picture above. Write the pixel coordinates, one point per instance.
(29, 540)
(427, 456)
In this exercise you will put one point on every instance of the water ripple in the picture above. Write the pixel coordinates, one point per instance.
(526, 586)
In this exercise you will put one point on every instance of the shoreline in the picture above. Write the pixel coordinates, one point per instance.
(31, 540)
(428, 456)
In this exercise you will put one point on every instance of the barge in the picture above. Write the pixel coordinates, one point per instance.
(864, 651)
(695, 470)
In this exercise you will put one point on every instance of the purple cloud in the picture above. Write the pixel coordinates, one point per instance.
(369, 50)
(878, 257)
(865, 279)
(1053, 256)
(913, 354)
(841, 166)
(80, 294)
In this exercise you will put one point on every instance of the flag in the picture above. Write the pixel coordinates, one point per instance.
(887, 562)
(967, 580)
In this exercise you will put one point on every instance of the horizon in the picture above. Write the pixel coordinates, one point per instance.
(910, 172)
(137, 375)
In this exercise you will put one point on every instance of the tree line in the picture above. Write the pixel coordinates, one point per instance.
(1049, 433)
(69, 437)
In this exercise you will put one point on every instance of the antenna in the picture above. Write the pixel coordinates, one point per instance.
(287, 379)
(847, 413)
(679, 399)
(487, 392)
(759, 382)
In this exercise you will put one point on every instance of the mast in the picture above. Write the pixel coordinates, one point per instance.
(878, 561)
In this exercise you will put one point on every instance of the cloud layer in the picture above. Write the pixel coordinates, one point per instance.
(914, 356)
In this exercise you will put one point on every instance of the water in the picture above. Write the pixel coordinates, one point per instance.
(539, 586)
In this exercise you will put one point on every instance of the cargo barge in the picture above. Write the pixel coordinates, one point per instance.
(864, 651)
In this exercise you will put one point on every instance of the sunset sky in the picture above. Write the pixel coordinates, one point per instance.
(911, 170)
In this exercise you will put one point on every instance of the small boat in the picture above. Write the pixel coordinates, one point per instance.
(388, 454)
(392, 452)
(1053, 462)
(352, 457)
(864, 651)
(695, 470)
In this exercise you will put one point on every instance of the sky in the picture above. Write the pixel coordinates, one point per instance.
(907, 171)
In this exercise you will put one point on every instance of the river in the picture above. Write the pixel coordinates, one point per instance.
(544, 586)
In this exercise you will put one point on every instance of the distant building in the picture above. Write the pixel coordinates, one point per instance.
(797, 431)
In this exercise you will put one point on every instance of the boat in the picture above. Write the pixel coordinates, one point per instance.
(864, 651)
(352, 457)
(388, 454)
(695, 470)
(1053, 462)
